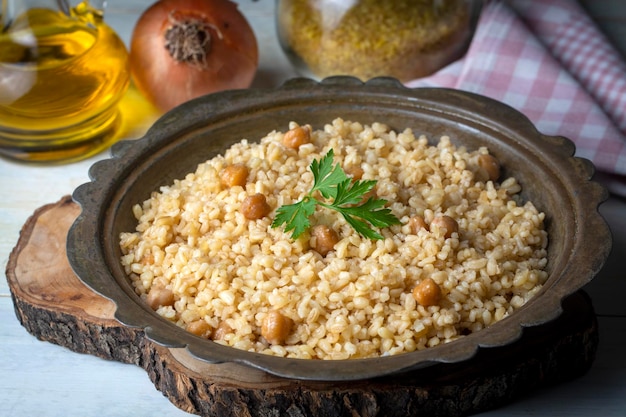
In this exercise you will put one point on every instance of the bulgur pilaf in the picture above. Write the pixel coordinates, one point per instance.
(199, 262)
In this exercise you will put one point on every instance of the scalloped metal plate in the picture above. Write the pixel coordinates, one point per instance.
(556, 181)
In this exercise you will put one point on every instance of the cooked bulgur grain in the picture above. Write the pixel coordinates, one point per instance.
(357, 300)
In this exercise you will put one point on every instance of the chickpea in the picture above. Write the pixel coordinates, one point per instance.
(159, 297)
(491, 166)
(199, 328)
(417, 223)
(297, 137)
(276, 327)
(427, 293)
(236, 174)
(222, 330)
(323, 239)
(255, 207)
(355, 171)
(445, 224)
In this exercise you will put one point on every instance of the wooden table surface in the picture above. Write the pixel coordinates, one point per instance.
(41, 379)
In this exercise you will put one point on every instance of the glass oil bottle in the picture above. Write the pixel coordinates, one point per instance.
(62, 74)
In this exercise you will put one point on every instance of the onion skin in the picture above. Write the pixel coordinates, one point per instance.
(231, 60)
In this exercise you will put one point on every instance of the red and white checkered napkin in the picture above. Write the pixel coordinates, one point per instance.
(547, 59)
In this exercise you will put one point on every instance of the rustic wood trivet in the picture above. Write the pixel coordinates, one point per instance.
(54, 305)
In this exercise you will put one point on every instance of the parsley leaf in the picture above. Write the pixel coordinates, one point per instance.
(349, 192)
(295, 216)
(347, 196)
(327, 176)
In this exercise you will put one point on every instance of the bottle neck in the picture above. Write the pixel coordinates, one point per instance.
(91, 11)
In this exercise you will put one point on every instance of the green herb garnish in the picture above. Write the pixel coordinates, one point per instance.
(342, 194)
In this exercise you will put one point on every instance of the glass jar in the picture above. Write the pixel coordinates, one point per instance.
(62, 74)
(404, 39)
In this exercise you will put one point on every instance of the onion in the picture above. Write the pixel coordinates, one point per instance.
(182, 49)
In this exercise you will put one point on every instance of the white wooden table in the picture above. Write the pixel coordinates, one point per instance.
(42, 379)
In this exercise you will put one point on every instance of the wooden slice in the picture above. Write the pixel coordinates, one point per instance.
(55, 306)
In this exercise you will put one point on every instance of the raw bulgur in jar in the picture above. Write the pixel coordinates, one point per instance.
(404, 39)
(468, 250)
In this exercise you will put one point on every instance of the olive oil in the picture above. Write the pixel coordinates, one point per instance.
(61, 78)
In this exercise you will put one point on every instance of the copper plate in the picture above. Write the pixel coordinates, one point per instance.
(558, 183)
